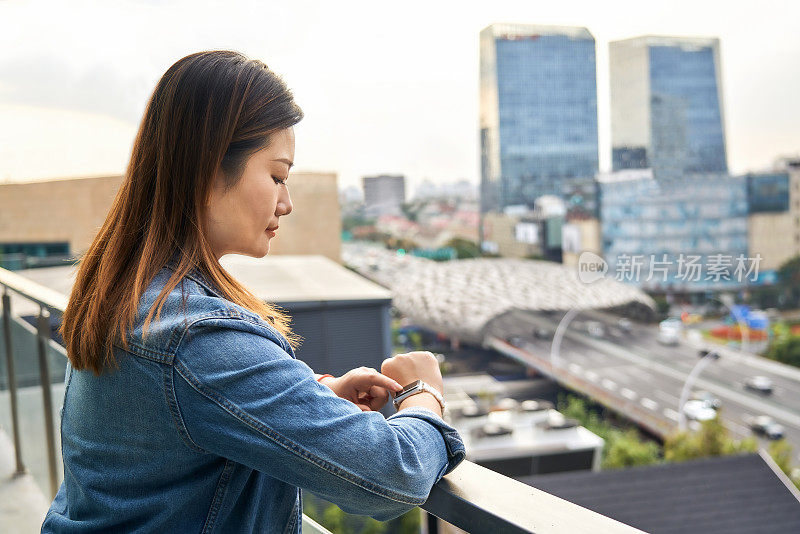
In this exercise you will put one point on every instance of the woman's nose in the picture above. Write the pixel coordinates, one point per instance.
(284, 205)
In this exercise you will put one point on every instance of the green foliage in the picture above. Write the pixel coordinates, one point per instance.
(333, 519)
(781, 452)
(464, 248)
(627, 449)
(623, 447)
(785, 348)
(711, 440)
(662, 306)
(789, 272)
(410, 522)
(350, 222)
(411, 210)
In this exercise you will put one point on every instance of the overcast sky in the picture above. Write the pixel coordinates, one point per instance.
(386, 87)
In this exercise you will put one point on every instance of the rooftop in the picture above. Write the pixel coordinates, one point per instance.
(279, 279)
(730, 494)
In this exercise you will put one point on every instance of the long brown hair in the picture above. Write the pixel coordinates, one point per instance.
(210, 111)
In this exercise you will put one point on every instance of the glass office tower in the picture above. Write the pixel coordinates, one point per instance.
(538, 112)
(667, 106)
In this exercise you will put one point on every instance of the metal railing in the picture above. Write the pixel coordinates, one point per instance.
(471, 497)
(49, 301)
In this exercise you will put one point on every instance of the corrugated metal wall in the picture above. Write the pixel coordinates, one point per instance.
(340, 337)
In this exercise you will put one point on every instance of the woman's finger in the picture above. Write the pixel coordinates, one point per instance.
(374, 378)
(379, 397)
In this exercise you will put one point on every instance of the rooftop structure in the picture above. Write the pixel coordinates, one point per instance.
(517, 437)
(460, 297)
(735, 494)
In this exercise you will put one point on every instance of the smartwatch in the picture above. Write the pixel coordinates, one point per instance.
(418, 386)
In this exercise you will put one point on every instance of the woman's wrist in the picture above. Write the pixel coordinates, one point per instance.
(423, 399)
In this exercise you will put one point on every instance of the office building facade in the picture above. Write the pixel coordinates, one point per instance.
(667, 106)
(538, 112)
(684, 236)
(773, 227)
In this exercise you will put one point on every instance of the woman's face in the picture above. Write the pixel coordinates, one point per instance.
(243, 220)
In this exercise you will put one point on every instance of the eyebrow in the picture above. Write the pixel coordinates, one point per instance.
(286, 161)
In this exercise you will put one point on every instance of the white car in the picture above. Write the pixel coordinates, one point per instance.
(595, 329)
(668, 336)
(762, 384)
(698, 410)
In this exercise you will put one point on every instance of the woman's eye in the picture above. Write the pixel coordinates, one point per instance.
(278, 180)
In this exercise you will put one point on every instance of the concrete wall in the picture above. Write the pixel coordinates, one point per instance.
(69, 211)
(73, 210)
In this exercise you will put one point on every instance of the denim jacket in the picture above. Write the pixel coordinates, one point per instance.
(210, 424)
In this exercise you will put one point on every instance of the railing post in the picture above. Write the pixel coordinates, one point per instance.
(43, 325)
(12, 380)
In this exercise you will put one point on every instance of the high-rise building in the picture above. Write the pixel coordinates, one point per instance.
(538, 112)
(667, 106)
(384, 194)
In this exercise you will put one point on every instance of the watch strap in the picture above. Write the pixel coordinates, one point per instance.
(420, 387)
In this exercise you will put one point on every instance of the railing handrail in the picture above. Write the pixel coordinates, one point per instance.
(471, 497)
(41, 295)
(478, 499)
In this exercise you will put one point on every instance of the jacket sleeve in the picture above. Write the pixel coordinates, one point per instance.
(243, 397)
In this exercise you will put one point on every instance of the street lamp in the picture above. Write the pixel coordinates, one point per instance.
(709, 357)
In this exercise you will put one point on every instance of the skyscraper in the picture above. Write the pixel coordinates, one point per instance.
(666, 106)
(538, 111)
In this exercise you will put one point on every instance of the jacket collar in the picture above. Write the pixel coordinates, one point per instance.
(194, 273)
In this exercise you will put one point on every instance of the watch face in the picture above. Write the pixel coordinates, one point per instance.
(409, 387)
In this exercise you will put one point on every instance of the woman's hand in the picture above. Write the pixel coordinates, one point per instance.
(365, 387)
(418, 365)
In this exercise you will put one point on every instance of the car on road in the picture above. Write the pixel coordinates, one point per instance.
(709, 399)
(764, 425)
(515, 340)
(625, 325)
(543, 333)
(698, 410)
(668, 336)
(761, 384)
(595, 329)
(705, 352)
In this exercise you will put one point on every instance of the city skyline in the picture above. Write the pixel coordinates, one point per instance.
(74, 79)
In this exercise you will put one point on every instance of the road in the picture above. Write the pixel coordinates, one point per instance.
(635, 367)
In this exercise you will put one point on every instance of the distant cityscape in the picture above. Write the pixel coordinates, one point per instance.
(669, 198)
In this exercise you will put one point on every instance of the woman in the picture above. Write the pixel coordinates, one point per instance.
(185, 409)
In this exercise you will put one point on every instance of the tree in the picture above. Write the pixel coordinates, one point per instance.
(781, 453)
(785, 349)
(464, 248)
(789, 279)
(627, 449)
(711, 440)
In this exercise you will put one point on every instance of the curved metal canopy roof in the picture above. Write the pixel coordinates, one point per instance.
(462, 296)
